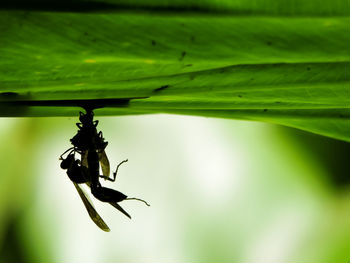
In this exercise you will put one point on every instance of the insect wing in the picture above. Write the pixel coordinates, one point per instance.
(91, 210)
(118, 207)
(84, 161)
(104, 164)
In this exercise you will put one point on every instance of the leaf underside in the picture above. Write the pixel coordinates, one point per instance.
(284, 62)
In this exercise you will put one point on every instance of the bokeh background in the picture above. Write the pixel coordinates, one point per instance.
(220, 191)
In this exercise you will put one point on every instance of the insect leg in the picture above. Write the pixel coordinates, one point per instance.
(138, 199)
(115, 173)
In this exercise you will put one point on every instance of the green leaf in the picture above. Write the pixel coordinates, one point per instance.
(285, 62)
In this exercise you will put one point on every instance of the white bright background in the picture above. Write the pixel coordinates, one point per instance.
(220, 191)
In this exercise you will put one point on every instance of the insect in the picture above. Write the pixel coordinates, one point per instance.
(90, 144)
(78, 175)
(87, 139)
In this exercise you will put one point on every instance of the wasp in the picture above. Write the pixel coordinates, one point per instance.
(78, 175)
(87, 138)
(90, 145)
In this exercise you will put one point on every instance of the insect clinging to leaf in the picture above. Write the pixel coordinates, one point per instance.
(90, 145)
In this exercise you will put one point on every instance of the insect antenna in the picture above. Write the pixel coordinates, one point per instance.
(70, 149)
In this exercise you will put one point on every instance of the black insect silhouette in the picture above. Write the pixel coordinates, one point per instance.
(87, 138)
(90, 145)
(78, 175)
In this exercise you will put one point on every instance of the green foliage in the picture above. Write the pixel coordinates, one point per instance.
(284, 62)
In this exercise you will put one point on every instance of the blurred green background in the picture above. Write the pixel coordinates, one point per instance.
(220, 191)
